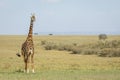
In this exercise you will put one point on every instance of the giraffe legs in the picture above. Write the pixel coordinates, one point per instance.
(27, 60)
(27, 64)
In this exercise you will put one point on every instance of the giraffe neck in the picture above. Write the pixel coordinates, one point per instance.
(30, 30)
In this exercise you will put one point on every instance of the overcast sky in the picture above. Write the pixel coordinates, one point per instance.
(76, 16)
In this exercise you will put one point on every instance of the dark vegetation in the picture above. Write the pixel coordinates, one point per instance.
(100, 48)
(102, 36)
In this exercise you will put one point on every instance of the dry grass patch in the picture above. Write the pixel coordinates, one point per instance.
(54, 64)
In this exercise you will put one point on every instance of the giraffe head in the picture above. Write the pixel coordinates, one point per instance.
(33, 17)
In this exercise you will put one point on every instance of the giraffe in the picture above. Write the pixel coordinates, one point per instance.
(27, 49)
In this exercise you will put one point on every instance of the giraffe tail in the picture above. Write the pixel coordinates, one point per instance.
(18, 55)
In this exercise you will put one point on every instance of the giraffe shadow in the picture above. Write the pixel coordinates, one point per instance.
(19, 71)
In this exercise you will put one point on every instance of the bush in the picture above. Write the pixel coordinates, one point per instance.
(107, 44)
(74, 44)
(60, 47)
(109, 53)
(90, 51)
(107, 49)
(76, 50)
(50, 46)
(43, 42)
(113, 44)
(68, 47)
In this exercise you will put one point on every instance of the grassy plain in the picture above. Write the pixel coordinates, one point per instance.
(56, 65)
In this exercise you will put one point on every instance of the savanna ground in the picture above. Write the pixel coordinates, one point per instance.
(54, 64)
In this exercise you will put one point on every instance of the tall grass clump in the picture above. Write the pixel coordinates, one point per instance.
(102, 49)
(76, 50)
(108, 49)
(109, 52)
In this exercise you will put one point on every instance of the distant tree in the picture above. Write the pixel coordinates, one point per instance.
(102, 36)
(35, 33)
(50, 34)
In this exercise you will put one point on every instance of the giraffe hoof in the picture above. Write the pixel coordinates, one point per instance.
(33, 71)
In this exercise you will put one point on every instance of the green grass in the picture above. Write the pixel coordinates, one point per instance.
(62, 75)
(56, 65)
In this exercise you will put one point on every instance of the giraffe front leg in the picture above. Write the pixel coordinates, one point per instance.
(25, 70)
(26, 65)
(32, 64)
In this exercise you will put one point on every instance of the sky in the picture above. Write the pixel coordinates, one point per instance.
(60, 16)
